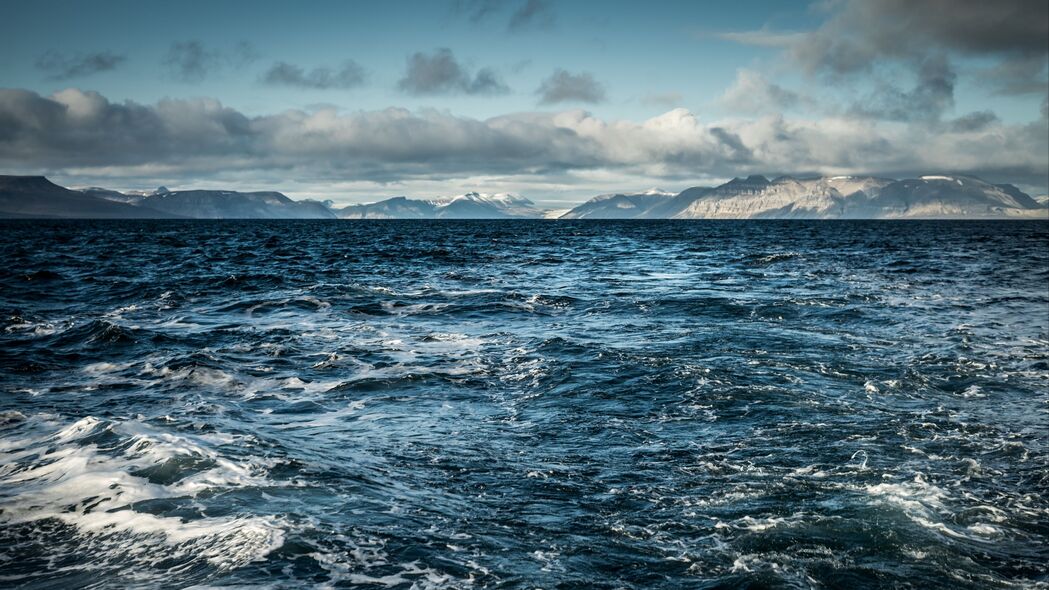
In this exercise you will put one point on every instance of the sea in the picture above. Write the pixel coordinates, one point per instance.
(524, 404)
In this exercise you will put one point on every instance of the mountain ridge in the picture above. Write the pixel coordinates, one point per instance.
(934, 196)
(833, 197)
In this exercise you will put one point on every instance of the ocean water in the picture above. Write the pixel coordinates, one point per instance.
(524, 404)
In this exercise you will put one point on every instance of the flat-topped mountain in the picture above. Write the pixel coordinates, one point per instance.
(835, 197)
(217, 204)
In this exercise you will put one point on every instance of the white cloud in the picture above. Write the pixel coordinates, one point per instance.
(83, 132)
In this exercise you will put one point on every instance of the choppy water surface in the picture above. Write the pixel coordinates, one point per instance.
(524, 404)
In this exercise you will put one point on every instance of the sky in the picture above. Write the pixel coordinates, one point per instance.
(556, 101)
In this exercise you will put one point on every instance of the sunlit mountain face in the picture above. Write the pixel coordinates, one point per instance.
(521, 294)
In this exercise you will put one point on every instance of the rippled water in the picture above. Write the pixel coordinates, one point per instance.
(524, 404)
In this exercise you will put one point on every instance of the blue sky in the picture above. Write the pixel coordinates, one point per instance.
(750, 80)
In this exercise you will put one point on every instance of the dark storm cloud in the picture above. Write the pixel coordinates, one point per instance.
(865, 31)
(924, 39)
(60, 66)
(440, 73)
(563, 86)
(192, 61)
(1014, 33)
(84, 133)
(349, 75)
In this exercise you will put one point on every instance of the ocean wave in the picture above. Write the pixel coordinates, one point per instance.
(124, 487)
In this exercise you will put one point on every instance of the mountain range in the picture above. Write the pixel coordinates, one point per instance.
(753, 197)
(468, 206)
(834, 197)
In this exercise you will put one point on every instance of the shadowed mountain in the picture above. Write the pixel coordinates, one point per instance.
(213, 204)
(36, 196)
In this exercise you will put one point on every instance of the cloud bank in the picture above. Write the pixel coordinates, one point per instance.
(83, 133)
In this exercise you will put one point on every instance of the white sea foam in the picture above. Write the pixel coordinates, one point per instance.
(88, 475)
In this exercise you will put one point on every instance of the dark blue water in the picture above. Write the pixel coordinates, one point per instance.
(524, 404)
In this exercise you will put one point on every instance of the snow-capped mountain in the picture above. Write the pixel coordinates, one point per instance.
(618, 205)
(510, 205)
(837, 197)
(468, 206)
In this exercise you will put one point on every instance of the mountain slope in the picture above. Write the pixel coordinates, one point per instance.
(835, 197)
(213, 204)
(36, 196)
(394, 208)
(468, 206)
(503, 204)
(618, 206)
(783, 198)
(952, 197)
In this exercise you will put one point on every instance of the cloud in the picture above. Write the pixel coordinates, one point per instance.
(60, 66)
(563, 86)
(191, 61)
(924, 39)
(523, 14)
(752, 93)
(477, 10)
(931, 96)
(861, 32)
(440, 73)
(82, 133)
(349, 75)
(532, 14)
(975, 121)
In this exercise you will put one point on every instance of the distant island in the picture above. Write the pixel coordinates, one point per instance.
(753, 197)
